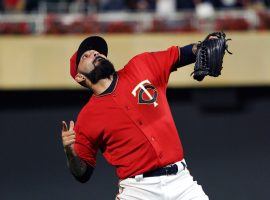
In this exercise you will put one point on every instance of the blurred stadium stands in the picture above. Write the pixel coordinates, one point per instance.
(119, 16)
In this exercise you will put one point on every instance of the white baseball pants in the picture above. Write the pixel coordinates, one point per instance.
(180, 186)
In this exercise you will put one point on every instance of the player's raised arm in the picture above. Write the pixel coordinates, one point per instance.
(78, 168)
(160, 64)
(207, 56)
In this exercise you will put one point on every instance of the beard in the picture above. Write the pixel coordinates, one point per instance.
(103, 68)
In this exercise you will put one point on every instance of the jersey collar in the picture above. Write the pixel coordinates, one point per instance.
(111, 88)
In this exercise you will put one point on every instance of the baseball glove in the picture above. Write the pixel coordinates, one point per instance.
(209, 56)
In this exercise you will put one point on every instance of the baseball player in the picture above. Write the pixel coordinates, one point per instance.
(128, 119)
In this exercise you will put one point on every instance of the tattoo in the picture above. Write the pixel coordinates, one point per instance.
(194, 48)
(78, 168)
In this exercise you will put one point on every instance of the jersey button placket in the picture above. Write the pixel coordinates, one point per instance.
(160, 155)
(127, 107)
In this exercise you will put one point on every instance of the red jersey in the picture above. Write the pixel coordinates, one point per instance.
(133, 125)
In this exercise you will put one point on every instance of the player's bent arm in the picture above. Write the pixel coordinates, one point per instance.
(78, 168)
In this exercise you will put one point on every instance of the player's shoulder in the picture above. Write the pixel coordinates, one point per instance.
(87, 112)
(136, 60)
(140, 56)
(87, 122)
(147, 54)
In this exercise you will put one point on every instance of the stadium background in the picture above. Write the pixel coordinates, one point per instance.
(223, 122)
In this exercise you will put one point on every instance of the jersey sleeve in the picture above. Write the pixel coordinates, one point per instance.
(159, 64)
(85, 147)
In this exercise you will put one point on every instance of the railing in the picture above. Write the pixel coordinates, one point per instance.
(48, 23)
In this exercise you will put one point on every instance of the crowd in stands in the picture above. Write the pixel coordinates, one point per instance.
(254, 15)
(17, 6)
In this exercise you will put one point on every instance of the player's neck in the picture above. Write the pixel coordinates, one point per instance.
(102, 85)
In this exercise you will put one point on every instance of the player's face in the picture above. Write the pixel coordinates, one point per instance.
(86, 63)
(95, 66)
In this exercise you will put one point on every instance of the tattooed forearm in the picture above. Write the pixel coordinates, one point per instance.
(79, 169)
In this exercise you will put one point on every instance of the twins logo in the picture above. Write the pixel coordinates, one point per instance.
(147, 93)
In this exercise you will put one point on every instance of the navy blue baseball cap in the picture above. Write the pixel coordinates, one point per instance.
(96, 43)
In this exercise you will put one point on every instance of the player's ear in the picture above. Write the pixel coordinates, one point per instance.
(80, 78)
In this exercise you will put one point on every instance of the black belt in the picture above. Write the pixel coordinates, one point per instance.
(168, 170)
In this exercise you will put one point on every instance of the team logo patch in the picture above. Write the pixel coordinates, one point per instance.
(147, 93)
